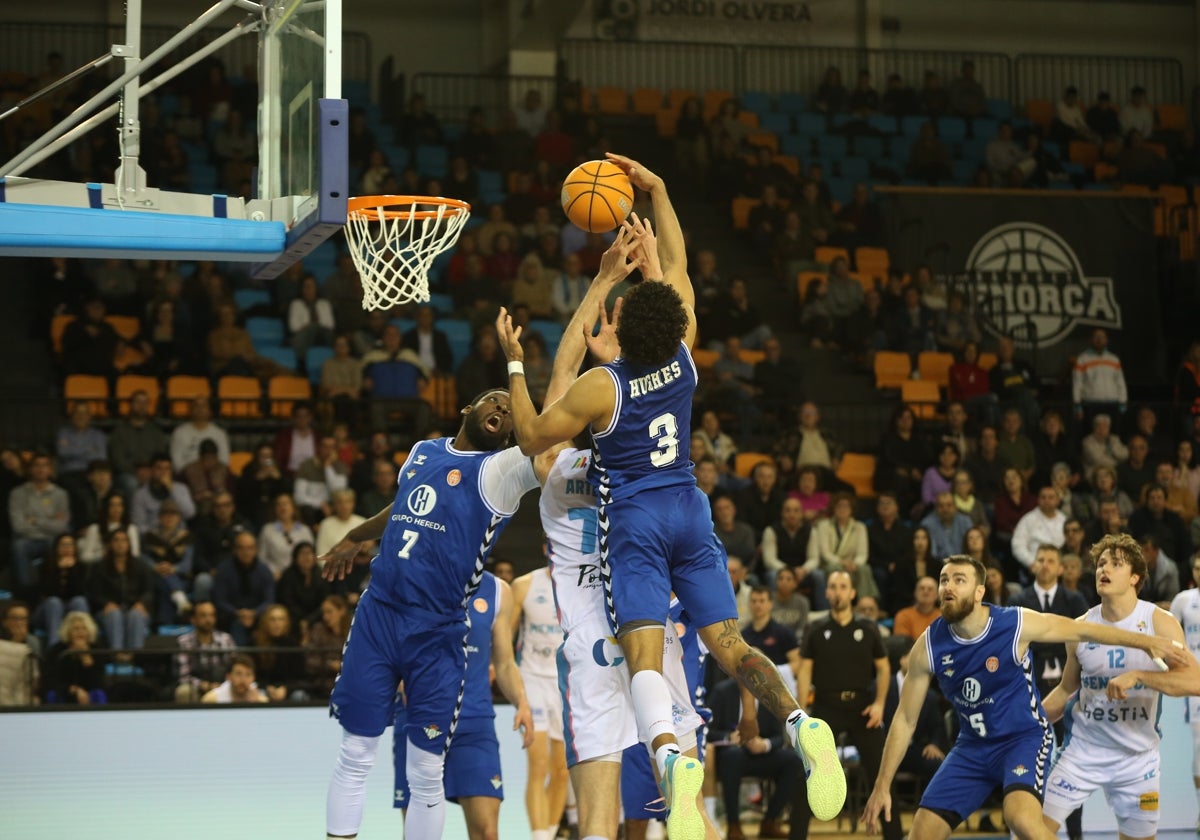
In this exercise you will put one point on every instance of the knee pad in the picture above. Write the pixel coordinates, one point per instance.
(357, 754)
(424, 772)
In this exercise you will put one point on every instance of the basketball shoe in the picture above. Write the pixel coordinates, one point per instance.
(681, 783)
(813, 740)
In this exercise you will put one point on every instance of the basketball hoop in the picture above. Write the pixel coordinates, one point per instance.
(394, 239)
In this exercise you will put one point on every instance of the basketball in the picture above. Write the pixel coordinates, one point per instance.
(597, 196)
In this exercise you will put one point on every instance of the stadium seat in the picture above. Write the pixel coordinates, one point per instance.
(779, 123)
(922, 397)
(789, 162)
(58, 325)
(1001, 109)
(126, 326)
(265, 331)
(705, 359)
(892, 369)
(984, 128)
(181, 390)
(613, 101)
(647, 101)
(826, 254)
(870, 148)
(964, 170)
(283, 356)
(432, 161)
(757, 101)
(676, 97)
(951, 129)
(1103, 172)
(935, 367)
(93, 390)
(858, 470)
(245, 299)
(713, 99)
(987, 361)
(1039, 112)
(314, 360)
(792, 103)
(795, 145)
(128, 383)
(854, 168)
(1172, 117)
(442, 303)
(868, 258)
(768, 139)
(239, 396)
(238, 461)
(831, 145)
(806, 277)
(745, 462)
(807, 123)
(748, 119)
(883, 123)
(441, 393)
(664, 122)
(284, 391)
(910, 126)
(1084, 152)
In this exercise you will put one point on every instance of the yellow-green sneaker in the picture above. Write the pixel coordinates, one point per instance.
(814, 741)
(682, 781)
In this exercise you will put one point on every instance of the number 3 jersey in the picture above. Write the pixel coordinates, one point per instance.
(991, 687)
(648, 442)
(1130, 725)
(450, 507)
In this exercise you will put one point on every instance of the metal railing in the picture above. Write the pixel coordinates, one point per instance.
(452, 96)
(1047, 76)
(665, 65)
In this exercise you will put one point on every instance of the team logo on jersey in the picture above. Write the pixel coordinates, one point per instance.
(496, 782)
(422, 500)
(580, 462)
(949, 672)
(453, 477)
(1020, 770)
(1141, 626)
(971, 689)
(680, 629)
(432, 731)
(947, 659)
(992, 664)
(1148, 801)
(480, 605)
(419, 460)
(410, 473)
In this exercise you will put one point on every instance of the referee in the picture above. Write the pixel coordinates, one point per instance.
(843, 659)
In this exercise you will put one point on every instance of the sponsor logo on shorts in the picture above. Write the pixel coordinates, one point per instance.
(1020, 770)
(480, 605)
(400, 796)
(1060, 782)
(1148, 802)
(992, 664)
(432, 731)
(497, 782)
(604, 657)
(453, 478)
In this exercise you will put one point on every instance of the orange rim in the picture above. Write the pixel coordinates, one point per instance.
(359, 206)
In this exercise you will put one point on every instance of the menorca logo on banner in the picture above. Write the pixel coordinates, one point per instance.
(1029, 285)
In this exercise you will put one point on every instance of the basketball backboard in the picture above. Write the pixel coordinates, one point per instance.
(302, 180)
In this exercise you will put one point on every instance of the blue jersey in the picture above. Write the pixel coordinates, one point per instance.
(448, 512)
(484, 606)
(648, 442)
(992, 689)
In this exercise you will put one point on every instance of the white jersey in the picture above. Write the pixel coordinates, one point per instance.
(568, 510)
(541, 633)
(1186, 609)
(1129, 725)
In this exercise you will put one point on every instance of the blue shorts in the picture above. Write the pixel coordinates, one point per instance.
(472, 765)
(640, 796)
(671, 524)
(972, 772)
(384, 648)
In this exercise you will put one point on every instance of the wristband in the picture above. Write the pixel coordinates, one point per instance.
(516, 368)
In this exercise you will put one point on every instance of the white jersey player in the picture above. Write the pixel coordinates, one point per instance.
(1186, 608)
(540, 637)
(1113, 722)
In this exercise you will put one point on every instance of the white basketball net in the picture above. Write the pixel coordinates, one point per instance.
(394, 250)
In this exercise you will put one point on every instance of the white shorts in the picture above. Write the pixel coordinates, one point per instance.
(545, 702)
(1130, 785)
(598, 713)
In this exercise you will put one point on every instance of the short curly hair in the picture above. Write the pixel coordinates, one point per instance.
(653, 323)
(1126, 548)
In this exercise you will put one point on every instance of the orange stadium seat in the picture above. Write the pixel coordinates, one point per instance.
(284, 391)
(745, 462)
(93, 390)
(239, 396)
(181, 390)
(987, 361)
(705, 359)
(789, 162)
(676, 97)
(892, 369)
(826, 254)
(713, 99)
(858, 471)
(867, 281)
(750, 120)
(1104, 172)
(867, 258)
(935, 367)
(238, 461)
(764, 138)
(126, 326)
(806, 277)
(441, 393)
(751, 357)
(128, 384)
(741, 211)
(612, 100)
(1040, 111)
(58, 325)
(1083, 151)
(1172, 117)
(647, 101)
(922, 397)
(665, 121)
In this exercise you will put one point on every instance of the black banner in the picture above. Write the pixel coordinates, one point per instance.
(1042, 268)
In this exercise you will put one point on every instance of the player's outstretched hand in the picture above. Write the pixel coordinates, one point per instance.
(510, 339)
(639, 175)
(523, 722)
(646, 254)
(604, 346)
(339, 560)
(879, 802)
(615, 264)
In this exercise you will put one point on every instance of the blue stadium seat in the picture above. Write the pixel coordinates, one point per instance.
(900, 148)
(265, 332)
(883, 122)
(1077, 170)
(964, 170)
(951, 129)
(974, 148)
(443, 304)
(757, 101)
(314, 359)
(245, 299)
(779, 123)
(1001, 109)
(168, 104)
(452, 132)
(870, 148)
(1053, 148)
(550, 330)
(285, 356)
(825, 163)
(397, 156)
(403, 324)
(795, 145)
(489, 180)
(487, 198)
(432, 161)
(841, 190)
(843, 120)
(911, 126)
(202, 178)
(854, 169)
(984, 128)
(810, 123)
(831, 145)
(792, 103)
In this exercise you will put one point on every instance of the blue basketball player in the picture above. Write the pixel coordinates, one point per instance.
(473, 776)
(452, 500)
(980, 656)
(655, 525)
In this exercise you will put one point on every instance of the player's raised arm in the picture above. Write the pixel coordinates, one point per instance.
(338, 561)
(900, 732)
(1183, 677)
(508, 676)
(1055, 629)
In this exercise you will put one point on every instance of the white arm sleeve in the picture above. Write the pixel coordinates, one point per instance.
(505, 478)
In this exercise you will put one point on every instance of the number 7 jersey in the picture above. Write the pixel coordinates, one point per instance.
(648, 442)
